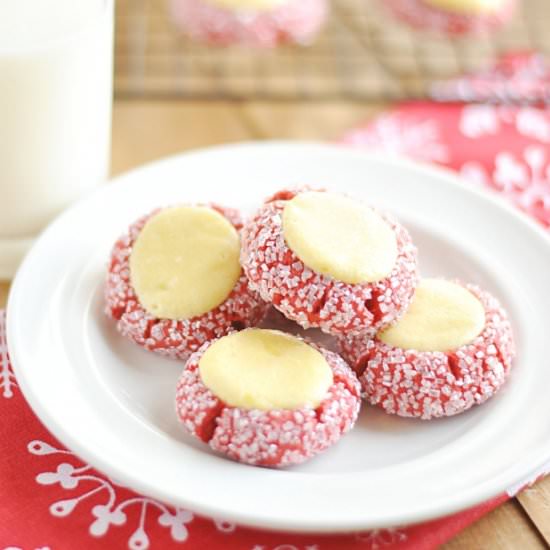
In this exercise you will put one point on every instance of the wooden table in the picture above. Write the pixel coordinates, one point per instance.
(147, 130)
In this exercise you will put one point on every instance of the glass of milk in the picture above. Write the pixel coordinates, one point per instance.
(56, 59)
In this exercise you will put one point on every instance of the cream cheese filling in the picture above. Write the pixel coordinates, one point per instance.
(339, 237)
(467, 7)
(443, 316)
(266, 370)
(185, 262)
(247, 5)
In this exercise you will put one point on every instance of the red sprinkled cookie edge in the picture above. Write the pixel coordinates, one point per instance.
(423, 16)
(429, 385)
(276, 438)
(296, 21)
(174, 338)
(314, 300)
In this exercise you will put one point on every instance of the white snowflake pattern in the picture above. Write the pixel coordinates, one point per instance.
(525, 179)
(533, 123)
(378, 538)
(390, 133)
(7, 377)
(479, 120)
(112, 512)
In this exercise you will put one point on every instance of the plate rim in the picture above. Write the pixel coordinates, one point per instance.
(471, 498)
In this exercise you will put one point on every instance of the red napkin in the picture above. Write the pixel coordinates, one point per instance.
(503, 148)
(51, 500)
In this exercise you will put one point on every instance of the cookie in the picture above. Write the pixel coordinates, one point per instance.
(174, 280)
(327, 261)
(453, 17)
(264, 397)
(452, 349)
(257, 23)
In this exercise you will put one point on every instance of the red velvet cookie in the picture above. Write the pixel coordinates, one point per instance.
(256, 23)
(235, 306)
(300, 399)
(424, 383)
(453, 17)
(310, 295)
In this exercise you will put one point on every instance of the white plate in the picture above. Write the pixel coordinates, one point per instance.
(112, 402)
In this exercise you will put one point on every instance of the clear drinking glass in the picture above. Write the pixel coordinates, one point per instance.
(56, 59)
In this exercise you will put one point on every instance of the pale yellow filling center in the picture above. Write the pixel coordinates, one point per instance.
(247, 5)
(265, 369)
(473, 7)
(185, 262)
(443, 316)
(339, 237)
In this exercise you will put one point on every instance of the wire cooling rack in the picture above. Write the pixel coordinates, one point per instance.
(361, 54)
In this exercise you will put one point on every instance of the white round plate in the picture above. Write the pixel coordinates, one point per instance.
(112, 403)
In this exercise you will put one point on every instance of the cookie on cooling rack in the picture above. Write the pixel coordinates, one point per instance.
(260, 23)
(453, 17)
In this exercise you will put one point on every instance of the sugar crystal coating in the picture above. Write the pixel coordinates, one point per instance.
(315, 300)
(293, 21)
(431, 384)
(272, 438)
(424, 15)
(174, 338)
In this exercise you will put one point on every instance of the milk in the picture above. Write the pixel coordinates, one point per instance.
(55, 112)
